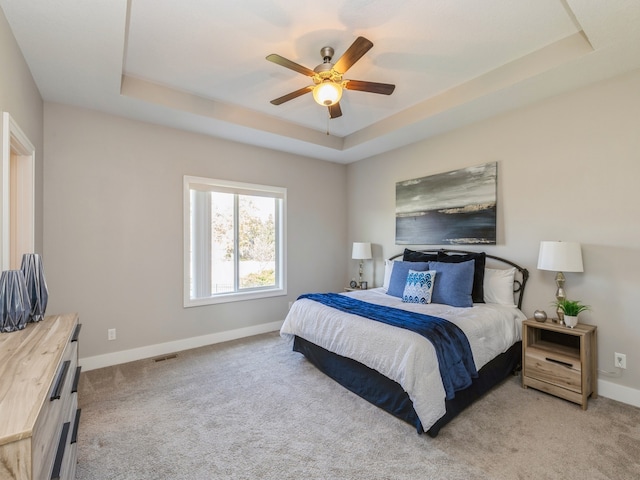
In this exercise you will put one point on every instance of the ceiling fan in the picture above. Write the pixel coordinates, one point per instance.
(327, 77)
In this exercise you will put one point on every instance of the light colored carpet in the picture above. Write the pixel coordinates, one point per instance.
(253, 409)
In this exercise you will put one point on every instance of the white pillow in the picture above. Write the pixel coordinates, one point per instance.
(388, 268)
(498, 286)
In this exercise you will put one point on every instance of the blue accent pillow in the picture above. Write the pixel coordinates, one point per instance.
(399, 276)
(419, 287)
(455, 283)
(477, 294)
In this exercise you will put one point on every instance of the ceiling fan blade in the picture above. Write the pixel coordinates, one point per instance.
(353, 54)
(372, 87)
(335, 111)
(292, 95)
(275, 58)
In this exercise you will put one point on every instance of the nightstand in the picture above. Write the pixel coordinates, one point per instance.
(559, 360)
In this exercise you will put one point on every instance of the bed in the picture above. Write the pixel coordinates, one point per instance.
(399, 369)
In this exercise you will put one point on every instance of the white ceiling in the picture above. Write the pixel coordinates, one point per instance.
(199, 65)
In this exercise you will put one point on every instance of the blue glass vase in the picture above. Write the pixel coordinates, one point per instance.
(36, 285)
(14, 301)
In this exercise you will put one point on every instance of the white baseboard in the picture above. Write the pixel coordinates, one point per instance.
(610, 390)
(623, 394)
(124, 356)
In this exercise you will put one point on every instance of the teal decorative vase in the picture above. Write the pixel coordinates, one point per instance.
(36, 285)
(14, 301)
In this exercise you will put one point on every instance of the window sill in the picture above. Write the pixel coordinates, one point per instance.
(235, 297)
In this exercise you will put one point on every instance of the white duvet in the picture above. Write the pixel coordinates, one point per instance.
(404, 356)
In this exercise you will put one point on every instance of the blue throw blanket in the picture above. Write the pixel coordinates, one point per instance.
(455, 359)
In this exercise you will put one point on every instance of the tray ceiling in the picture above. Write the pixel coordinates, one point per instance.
(200, 65)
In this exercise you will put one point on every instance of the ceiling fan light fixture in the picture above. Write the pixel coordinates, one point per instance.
(327, 93)
(327, 77)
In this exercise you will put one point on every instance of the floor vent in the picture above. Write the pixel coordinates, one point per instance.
(165, 357)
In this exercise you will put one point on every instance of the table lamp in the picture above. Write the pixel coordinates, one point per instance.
(560, 257)
(361, 251)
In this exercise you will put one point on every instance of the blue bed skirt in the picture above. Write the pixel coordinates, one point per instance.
(391, 397)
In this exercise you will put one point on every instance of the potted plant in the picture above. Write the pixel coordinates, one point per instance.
(571, 309)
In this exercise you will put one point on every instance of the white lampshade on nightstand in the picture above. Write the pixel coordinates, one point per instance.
(560, 257)
(361, 251)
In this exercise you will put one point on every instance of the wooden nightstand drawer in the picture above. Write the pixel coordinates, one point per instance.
(561, 370)
(559, 360)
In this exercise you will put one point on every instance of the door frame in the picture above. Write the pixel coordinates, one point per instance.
(17, 202)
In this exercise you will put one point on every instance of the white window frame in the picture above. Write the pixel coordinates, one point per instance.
(246, 188)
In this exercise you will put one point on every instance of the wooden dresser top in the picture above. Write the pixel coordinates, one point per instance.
(28, 362)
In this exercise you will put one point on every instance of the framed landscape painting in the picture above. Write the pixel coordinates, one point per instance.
(451, 208)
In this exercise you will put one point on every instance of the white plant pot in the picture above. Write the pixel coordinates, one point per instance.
(570, 321)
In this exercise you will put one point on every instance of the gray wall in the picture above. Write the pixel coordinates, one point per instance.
(111, 224)
(568, 169)
(114, 232)
(20, 97)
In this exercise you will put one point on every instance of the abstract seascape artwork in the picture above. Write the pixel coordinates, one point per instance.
(451, 208)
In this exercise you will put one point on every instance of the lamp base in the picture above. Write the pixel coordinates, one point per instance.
(560, 295)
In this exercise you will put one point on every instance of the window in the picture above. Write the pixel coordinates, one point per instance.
(234, 241)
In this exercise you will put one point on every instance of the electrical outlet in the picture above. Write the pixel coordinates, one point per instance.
(111, 334)
(620, 360)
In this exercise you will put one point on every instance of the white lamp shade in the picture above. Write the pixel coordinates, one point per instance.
(560, 257)
(361, 251)
(327, 93)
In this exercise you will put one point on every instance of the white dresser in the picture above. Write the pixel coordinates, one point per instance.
(39, 412)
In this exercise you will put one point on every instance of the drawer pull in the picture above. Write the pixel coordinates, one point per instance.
(74, 434)
(57, 465)
(76, 333)
(559, 362)
(55, 395)
(76, 380)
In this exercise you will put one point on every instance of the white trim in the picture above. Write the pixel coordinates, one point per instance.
(606, 389)
(150, 351)
(236, 297)
(210, 184)
(623, 394)
(14, 138)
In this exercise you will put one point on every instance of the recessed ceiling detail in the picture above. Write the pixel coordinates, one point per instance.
(200, 66)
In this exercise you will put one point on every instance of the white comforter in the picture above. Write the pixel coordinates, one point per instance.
(402, 355)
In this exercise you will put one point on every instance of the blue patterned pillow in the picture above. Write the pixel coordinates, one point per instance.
(419, 286)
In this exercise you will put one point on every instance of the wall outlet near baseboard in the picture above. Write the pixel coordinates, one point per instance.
(620, 360)
(111, 334)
